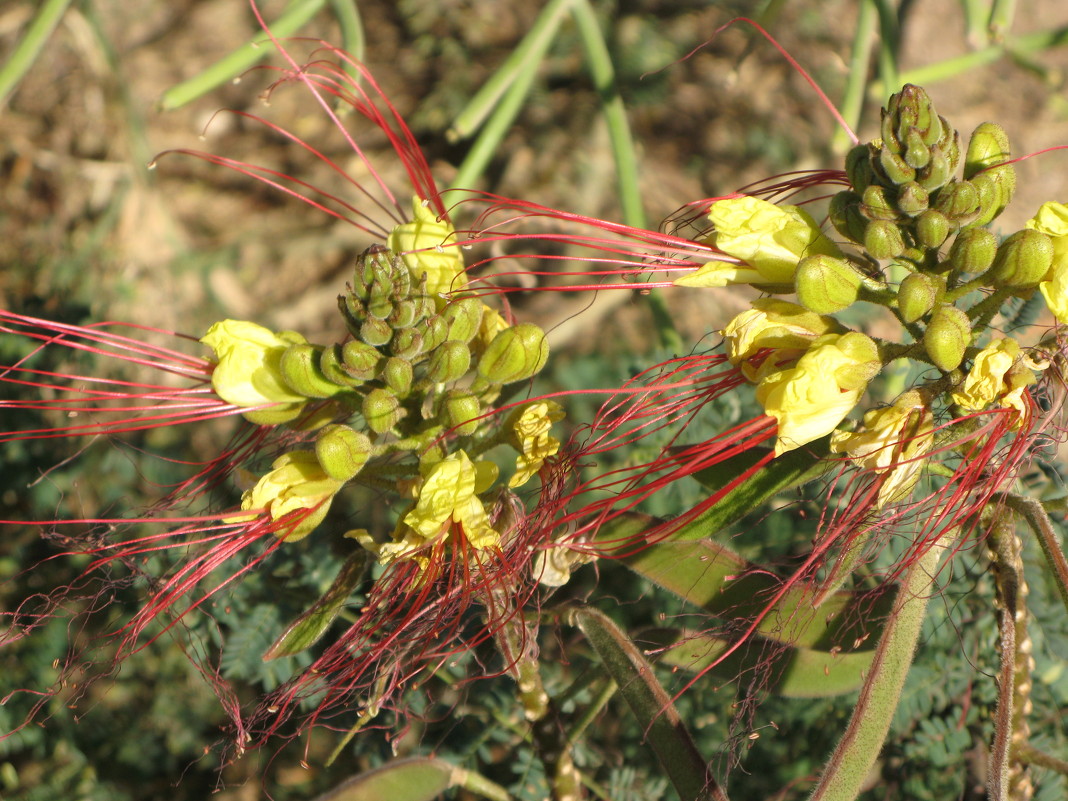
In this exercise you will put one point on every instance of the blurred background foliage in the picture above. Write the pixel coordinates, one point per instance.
(88, 233)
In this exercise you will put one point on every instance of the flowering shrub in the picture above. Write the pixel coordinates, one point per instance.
(909, 447)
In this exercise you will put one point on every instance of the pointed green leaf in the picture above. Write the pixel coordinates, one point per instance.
(790, 672)
(414, 779)
(312, 624)
(652, 707)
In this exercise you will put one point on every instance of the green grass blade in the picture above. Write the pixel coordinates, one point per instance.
(30, 45)
(242, 59)
(353, 38)
(857, 81)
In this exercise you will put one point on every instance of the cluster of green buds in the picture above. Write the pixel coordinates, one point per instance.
(915, 220)
(414, 387)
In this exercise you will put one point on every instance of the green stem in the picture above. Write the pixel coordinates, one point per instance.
(853, 97)
(353, 38)
(1033, 756)
(888, 46)
(477, 783)
(1034, 513)
(599, 61)
(504, 94)
(230, 67)
(30, 45)
(849, 765)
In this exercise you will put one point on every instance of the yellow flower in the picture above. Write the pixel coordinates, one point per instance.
(894, 440)
(1052, 220)
(297, 481)
(784, 327)
(1000, 373)
(770, 240)
(248, 373)
(529, 435)
(428, 247)
(811, 398)
(447, 502)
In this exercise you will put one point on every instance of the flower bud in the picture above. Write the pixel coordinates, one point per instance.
(407, 343)
(449, 362)
(514, 354)
(937, 172)
(248, 370)
(988, 146)
(333, 367)
(888, 126)
(996, 187)
(342, 452)
(931, 229)
(947, 335)
(1022, 260)
(397, 375)
(858, 167)
(404, 313)
(973, 250)
(912, 199)
(301, 372)
(895, 168)
(846, 217)
(916, 155)
(915, 111)
(460, 410)
(380, 304)
(464, 317)
(883, 240)
(360, 359)
(381, 410)
(825, 284)
(917, 295)
(878, 204)
(376, 332)
(434, 333)
(959, 201)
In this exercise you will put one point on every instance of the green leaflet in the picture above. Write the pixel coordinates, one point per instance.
(415, 779)
(313, 623)
(651, 705)
(790, 672)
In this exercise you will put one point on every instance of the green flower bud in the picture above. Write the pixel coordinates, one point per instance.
(516, 353)
(959, 201)
(931, 229)
(333, 367)
(404, 314)
(380, 304)
(460, 408)
(895, 168)
(407, 343)
(996, 187)
(878, 204)
(988, 146)
(434, 333)
(381, 410)
(973, 250)
(947, 335)
(360, 359)
(917, 154)
(883, 240)
(341, 451)
(450, 361)
(464, 317)
(917, 295)
(846, 217)
(301, 372)
(915, 111)
(825, 284)
(912, 199)
(352, 311)
(397, 375)
(1022, 260)
(858, 167)
(375, 331)
(887, 125)
(937, 172)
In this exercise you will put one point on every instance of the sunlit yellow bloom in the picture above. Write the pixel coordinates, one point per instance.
(811, 398)
(529, 434)
(248, 372)
(1052, 220)
(297, 481)
(894, 440)
(784, 327)
(428, 246)
(553, 567)
(447, 502)
(770, 240)
(999, 373)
